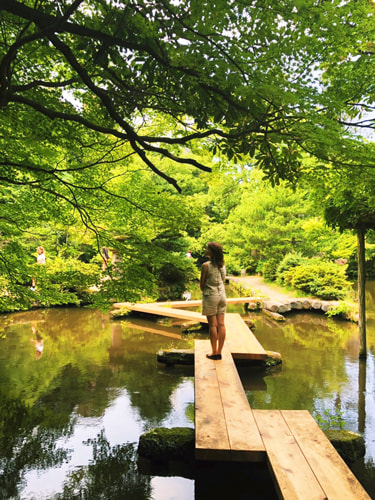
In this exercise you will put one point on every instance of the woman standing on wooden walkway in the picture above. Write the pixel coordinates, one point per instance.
(214, 300)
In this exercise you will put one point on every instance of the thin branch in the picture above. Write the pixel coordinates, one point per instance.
(370, 123)
(42, 83)
(145, 159)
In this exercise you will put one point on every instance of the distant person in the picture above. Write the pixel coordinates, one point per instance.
(105, 255)
(189, 255)
(214, 300)
(40, 259)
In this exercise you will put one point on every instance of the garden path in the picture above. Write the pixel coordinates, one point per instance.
(257, 284)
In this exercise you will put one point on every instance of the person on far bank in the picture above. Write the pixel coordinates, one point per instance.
(214, 301)
(40, 259)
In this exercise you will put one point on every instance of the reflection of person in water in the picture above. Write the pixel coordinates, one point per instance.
(37, 341)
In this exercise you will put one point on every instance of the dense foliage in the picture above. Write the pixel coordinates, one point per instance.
(109, 110)
(322, 279)
(270, 81)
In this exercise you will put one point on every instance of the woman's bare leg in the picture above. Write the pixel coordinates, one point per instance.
(221, 332)
(212, 325)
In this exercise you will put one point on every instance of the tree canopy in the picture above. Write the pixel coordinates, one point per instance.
(267, 81)
(109, 109)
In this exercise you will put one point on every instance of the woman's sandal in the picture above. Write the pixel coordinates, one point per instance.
(213, 356)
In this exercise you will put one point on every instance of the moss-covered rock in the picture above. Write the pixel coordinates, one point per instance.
(171, 357)
(250, 323)
(164, 444)
(193, 327)
(274, 315)
(350, 445)
(273, 359)
(120, 313)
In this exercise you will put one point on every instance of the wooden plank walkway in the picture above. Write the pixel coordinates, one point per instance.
(302, 461)
(221, 410)
(180, 304)
(196, 303)
(162, 310)
(241, 341)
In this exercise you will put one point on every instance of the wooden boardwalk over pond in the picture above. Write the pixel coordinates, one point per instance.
(241, 341)
(303, 463)
(225, 427)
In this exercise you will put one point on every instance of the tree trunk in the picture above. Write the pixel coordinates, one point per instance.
(361, 292)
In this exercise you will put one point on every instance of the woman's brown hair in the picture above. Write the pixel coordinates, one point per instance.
(217, 257)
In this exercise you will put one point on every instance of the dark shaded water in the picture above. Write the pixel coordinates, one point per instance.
(77, 390)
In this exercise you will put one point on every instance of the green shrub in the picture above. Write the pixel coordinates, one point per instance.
(343, 310)
(72, 274)
(232, 265)
(290, 260)
(325, 280)
(270, 269)
(63, 281)
(175, 277)
(259, 268)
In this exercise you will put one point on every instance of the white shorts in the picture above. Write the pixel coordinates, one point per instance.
(213, 305)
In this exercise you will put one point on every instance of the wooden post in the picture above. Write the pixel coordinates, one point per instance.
(361, 292)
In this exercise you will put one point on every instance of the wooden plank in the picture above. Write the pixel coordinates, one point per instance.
(245, 441)
(211, 437)
(181, 314)
(152, 308)
(241, 341)
(293, 477)
(335, 477)
(196, 303)
(182, 304)
(225, 428)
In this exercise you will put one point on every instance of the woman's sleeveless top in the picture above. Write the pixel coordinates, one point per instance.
(214, 284)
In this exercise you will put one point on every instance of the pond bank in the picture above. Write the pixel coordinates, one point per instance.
(278, 301)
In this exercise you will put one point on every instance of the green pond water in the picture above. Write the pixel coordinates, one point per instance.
(78, 389)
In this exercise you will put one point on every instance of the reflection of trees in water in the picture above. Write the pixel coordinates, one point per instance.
(370, 295)
(34, 430)
(24, 444)
(112, 474)
(41, 397)
(315, 331)
(362, 370)
(313, 363)
(148, 384)
(149, 388)
(80, 388)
